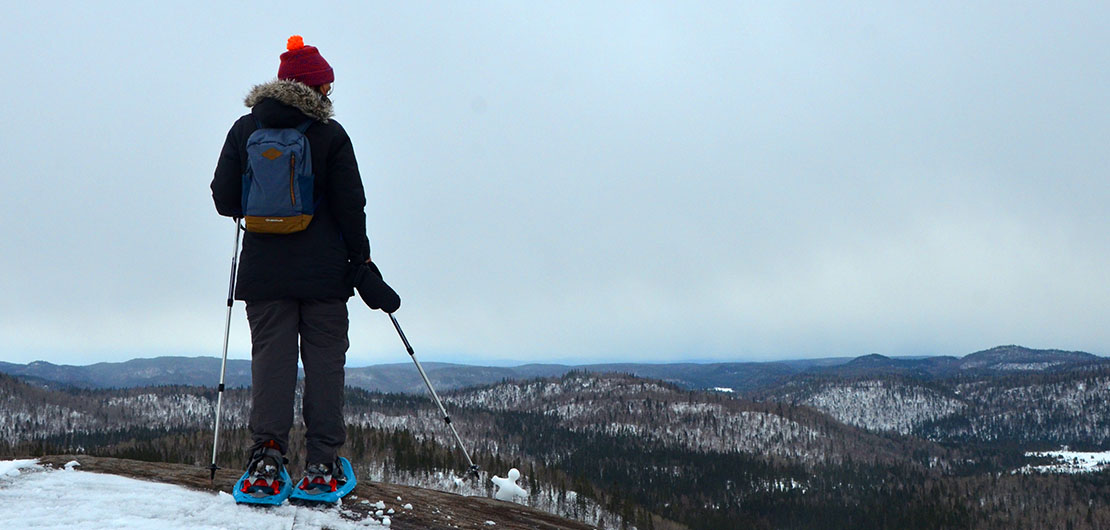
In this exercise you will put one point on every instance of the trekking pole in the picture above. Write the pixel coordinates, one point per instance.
(223, 363)
(447, 419)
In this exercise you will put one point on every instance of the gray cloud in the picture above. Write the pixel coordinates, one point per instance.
(582, 182)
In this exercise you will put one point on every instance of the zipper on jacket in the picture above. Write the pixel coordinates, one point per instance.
(292, 173)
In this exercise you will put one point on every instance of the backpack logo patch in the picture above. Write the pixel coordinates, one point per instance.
(271, 153)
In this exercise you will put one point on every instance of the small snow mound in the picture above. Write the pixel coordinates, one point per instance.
(11, 468)
(380, 505)
(72, 464)
(386, 521)
(407, 506)
(490, 523)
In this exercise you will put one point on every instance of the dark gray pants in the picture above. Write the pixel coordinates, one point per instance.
(321, 326)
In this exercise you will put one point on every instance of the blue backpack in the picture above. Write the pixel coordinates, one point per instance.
(277, 185)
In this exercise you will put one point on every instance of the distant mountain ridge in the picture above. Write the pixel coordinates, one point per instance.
(403, 378)
(1000, 359)
(196, 371)
(1012, 357)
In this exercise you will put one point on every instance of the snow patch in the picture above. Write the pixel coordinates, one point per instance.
(11, 468)
(1069, 462)
(77, 499)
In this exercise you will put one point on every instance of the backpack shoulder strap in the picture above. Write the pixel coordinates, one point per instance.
(304, 126)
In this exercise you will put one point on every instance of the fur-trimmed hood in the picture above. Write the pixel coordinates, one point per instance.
(294, 94)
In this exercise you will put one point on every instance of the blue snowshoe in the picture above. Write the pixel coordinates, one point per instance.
(326, 483)
(266, 481)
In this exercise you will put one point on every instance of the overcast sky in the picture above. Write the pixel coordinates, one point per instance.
(581, 181)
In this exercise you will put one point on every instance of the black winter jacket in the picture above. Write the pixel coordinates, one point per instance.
(312, 263)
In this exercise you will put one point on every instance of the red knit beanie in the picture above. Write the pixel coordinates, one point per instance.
(304, 63)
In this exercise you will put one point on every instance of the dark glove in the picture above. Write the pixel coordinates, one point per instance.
(367, 279)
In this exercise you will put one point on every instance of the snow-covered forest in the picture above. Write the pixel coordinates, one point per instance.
(612, 449)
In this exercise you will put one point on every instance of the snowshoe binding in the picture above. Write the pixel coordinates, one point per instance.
(326, 483)
(266, 481)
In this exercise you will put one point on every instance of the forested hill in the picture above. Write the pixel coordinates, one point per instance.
(616, 451)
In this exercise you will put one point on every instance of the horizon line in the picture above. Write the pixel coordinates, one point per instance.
(515, 364)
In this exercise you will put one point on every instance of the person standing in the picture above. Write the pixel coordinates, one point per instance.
(296, 285)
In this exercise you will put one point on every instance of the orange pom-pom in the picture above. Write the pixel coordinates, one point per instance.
(295, 43)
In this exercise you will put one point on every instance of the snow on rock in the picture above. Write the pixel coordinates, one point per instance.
(507, 490)
(11, 468)
(76, 499)
(72, 464)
